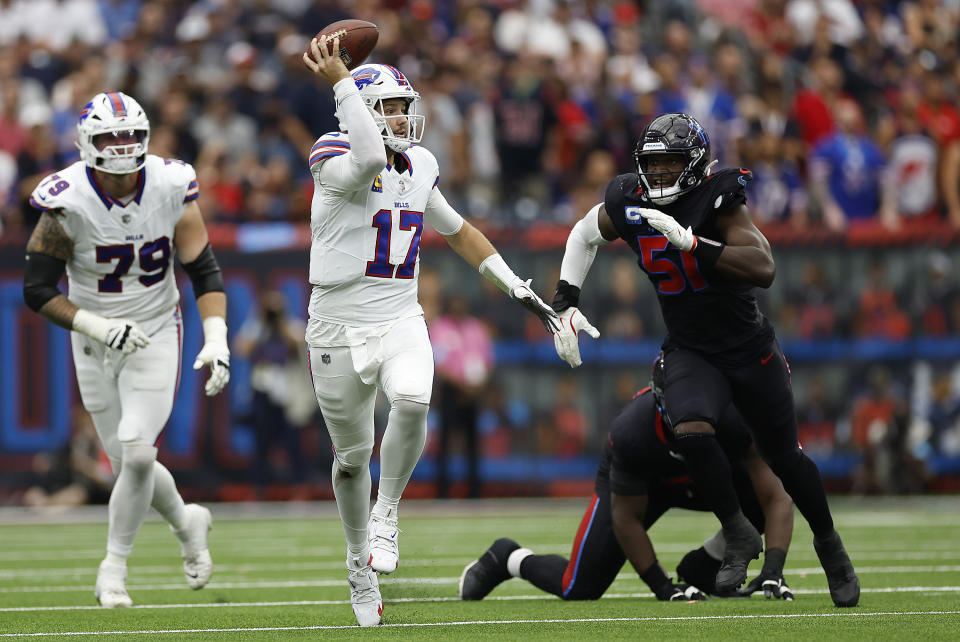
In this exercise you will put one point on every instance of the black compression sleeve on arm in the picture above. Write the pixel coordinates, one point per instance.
(567, 296)
(40, 278)
(204, 273)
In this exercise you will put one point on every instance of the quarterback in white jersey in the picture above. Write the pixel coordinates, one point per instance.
(374, 190)
(113, 221)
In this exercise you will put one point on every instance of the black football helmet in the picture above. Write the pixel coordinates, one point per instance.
(677, 134)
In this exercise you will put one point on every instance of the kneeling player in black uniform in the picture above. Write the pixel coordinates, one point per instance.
(693, 236)
(638, 480)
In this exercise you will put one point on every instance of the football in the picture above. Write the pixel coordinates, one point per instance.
(357, 39)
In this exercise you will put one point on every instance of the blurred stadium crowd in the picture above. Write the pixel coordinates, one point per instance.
(845, 110)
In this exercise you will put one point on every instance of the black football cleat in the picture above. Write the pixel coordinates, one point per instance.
(841, 578)
(483, 575)
(743, 544)
(698, 569)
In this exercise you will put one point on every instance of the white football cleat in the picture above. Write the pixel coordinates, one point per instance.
(365, 595)
(197, 565)
(383, 535)
(111, 587)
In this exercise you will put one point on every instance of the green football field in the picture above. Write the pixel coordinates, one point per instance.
(279, 574)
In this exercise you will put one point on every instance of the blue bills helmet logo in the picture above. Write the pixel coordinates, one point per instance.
(86, 111)
(365, 76)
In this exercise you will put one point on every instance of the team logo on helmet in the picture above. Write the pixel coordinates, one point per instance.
(365, 76)
(86, 111)
(379, 83)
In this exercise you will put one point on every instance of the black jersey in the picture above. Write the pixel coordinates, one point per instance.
(703, 309)
(637, 455)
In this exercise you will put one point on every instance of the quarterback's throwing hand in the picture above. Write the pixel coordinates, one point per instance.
(526, 297)
(215, 354)
(679, 236)
(566, 339)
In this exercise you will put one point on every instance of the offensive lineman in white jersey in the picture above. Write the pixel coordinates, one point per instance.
(113, 221)
(373, 192)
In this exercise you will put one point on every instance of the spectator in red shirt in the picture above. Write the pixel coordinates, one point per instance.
(813, 106)
(879, 313)
(936, 110)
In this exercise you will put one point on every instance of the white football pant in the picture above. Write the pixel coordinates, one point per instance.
(399, 361)
(130, 398)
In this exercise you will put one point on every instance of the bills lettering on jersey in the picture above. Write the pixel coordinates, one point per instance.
(365, 247)
(121, 252)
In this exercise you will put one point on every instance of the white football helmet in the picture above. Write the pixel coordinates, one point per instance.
(113, 114)
(382, 82)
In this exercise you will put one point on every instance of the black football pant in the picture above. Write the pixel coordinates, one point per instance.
(596, 556)
(696, 389)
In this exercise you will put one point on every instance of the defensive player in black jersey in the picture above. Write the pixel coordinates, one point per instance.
(638, 480)
(693, 236)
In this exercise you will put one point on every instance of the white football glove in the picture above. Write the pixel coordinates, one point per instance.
(668, 226)
(566, 340)
(120, 334)
(215, 354)
(526, 297)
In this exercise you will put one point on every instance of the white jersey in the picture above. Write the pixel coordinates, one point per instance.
(122, 261)
(364, 258)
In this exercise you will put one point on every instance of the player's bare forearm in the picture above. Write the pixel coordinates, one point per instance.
(628, 512)
(774, 501)
(747, 264)
(212, 304)
(60, 310)
(471, 244)
(50, 239)
(190, 234)
(747, 255)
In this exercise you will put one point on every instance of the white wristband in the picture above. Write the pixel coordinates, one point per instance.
(497, 270)
(215, 330)
(93, 325)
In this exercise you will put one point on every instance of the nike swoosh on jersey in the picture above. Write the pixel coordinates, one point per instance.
(763, 362)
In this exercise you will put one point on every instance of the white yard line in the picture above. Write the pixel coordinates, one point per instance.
(413, 581)
(435, 561)
(482, 622)
(401, 600)
(258, 551)
(427, 580)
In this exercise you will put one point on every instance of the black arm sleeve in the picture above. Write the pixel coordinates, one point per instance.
(40, 278)
(204, 273)
(567, 296)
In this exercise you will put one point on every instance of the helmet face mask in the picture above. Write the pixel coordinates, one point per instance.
(672, 157)
(379, 84)
(113, 134)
